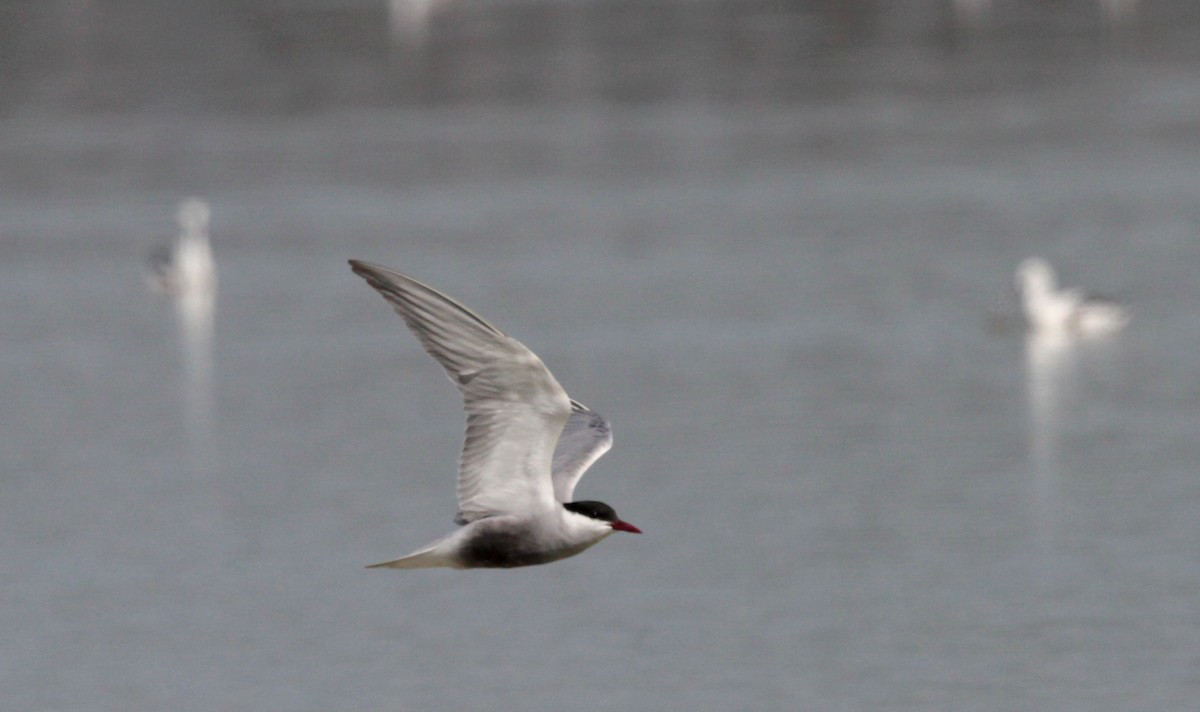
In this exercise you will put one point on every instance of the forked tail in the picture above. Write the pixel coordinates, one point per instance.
(420, 560)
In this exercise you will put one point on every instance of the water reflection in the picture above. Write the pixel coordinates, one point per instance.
(194, 313)
(195, 310)
(1051, 363)
(1063, 372)
(410, 20)
(968, 15)
(187, 272)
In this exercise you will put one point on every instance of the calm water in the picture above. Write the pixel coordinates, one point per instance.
(772, 242)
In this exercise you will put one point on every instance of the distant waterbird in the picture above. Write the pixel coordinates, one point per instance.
(527, 443)
(1067, 312)
(186, 267)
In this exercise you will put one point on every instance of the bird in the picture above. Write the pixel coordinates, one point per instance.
(1063, 312)
(186, 267)
(527, 442)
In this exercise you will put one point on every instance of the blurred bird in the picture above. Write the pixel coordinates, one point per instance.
(1049, 309)
(186, 267)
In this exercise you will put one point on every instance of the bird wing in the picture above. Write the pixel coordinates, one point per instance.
(1073, 296)
(515, 407)
(585, 437)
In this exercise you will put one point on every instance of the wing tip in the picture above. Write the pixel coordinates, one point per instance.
(596, 421)
(414, 291)
(366, 270)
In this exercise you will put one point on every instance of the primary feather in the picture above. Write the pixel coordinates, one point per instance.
(515, 407)
(585, 437)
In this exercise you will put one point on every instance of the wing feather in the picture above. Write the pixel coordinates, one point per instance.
(585, 437)
(515, 407)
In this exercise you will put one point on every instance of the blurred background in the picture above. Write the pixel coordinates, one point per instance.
(772, 241)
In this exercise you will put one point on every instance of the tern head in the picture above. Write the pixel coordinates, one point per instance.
(601, 512)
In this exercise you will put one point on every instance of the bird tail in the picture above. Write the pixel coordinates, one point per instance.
(425, 559)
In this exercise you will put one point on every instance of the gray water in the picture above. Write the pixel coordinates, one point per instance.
(772, 242)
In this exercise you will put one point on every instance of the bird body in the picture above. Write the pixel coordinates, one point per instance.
(187, 267)
(1069, 312)
(509, 541)
(526, 446)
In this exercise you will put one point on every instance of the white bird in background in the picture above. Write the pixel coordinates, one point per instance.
(527, 443)
(1066, 312)
(187, 267)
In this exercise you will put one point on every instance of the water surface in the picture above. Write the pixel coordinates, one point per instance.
(773, 243)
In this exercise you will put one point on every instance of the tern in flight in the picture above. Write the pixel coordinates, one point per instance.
(527, 442)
